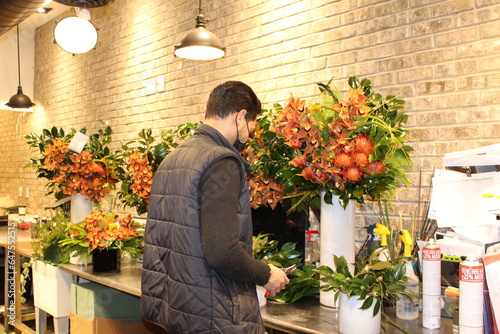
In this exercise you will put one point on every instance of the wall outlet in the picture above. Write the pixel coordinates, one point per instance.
(20, 191)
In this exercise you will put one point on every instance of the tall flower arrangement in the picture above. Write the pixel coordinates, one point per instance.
(142, 159)
(351, 146)
(93, 172)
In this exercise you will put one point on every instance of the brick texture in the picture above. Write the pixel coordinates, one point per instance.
(441, 56)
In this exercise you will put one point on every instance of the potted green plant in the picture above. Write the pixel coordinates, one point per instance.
(51, 285)
(46, 238)
(371, 284)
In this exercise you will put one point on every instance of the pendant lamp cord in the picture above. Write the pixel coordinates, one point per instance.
(18, 58)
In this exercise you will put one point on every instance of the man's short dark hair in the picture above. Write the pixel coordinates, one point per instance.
(230, 97)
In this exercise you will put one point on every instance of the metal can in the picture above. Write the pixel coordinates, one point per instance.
(431, 285)
(471, 280)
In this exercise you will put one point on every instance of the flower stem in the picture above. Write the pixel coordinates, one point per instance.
(390, 321)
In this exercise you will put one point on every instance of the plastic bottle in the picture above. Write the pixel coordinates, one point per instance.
(404, 308)
(312, 249)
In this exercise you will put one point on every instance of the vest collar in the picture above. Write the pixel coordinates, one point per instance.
(219, 139)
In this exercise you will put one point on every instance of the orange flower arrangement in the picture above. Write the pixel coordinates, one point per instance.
(92, 172)
(104, 231)
(142, 159)
(336, 159)
(142, 174)
(349, 147)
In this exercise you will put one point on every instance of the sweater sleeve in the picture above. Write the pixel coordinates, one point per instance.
(220, 189)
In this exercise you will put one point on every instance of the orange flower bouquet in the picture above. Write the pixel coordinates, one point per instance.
(142, 160)
(104, 231)
(93, 172)
(350, 146)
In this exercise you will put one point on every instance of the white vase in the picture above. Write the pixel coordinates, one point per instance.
(353, 320)
(337, 237)
(74, 258)
(80, 208)
(52, 289)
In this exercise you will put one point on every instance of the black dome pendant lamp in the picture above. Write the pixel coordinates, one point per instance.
(19, 101)
(199, 43)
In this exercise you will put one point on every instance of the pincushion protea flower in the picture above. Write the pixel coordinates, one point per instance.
(350, 147)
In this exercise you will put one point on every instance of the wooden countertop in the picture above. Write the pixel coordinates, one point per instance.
(17, 238)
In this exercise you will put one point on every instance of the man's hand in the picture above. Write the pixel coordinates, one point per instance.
(277, 280)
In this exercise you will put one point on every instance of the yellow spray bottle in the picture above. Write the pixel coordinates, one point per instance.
(383, 231)
(404, 308)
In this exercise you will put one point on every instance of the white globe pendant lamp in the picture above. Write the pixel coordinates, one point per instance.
(76, 34)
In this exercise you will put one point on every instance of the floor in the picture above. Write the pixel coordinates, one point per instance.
(28, 308)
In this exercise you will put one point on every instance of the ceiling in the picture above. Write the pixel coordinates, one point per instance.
(14, 12)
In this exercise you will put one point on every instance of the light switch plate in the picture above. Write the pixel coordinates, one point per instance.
(161, 83)
(150, 86)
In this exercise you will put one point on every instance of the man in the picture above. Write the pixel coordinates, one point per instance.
(198, 272)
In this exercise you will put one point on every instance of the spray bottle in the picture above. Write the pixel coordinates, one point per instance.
(383, 231)
(404, 308)
(312, 243)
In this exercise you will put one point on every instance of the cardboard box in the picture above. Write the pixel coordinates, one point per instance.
(80, 325)
(92, 300)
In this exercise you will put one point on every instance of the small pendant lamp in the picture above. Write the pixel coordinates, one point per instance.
(19, 101)
(199, 43)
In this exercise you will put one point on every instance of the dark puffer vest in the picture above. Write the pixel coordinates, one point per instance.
(180, 292)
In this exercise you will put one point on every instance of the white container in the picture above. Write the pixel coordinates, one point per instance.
(80, 208)
(404, 308)
(353, 320)
(52, 289)
(337, 237)
(79, 260)
(261, 295)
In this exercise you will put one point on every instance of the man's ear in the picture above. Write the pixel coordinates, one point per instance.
(240, 117)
